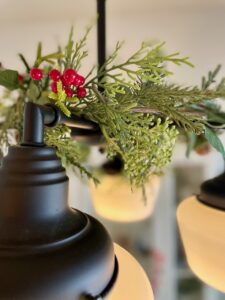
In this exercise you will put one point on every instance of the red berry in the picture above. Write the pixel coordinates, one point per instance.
(54, 86)
(54, 75)
(69, 75)
(78, 80)
(203, 149)
(20, 78)
(64, 82)
(81, 92)
(36, 74)
(68, 92)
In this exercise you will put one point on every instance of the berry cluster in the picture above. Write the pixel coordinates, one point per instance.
(71, 81)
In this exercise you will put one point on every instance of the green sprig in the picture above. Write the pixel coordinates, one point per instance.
(60, 98)
(139, 113)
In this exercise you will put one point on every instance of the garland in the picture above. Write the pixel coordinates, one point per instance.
(139, 113)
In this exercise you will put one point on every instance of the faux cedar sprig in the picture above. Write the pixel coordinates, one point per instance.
(139, 113)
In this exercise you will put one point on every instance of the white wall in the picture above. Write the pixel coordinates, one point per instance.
(195, 28)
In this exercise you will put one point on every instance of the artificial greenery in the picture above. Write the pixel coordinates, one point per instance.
(139, 113)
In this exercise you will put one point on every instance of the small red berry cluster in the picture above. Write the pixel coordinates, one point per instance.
(71, 81)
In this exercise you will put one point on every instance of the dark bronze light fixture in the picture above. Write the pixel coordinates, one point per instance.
(47, 249)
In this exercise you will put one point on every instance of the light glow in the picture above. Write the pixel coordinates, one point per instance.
(202, 230)
(132, 282)
(113, 199)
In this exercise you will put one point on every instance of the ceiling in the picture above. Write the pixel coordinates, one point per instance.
(26, 10)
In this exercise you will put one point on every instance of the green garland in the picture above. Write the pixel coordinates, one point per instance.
(139, 113)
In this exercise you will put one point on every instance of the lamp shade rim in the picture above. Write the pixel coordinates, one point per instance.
(203, 235)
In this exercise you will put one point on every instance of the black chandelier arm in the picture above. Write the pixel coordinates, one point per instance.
(86, 131)
(51, 111)
(37, 116)
(33, 125)
(101, 33)
(88, 137)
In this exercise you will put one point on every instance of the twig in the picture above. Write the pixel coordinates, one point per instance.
(99, 95)
(153, 111)
(24, 62)
(147, 110)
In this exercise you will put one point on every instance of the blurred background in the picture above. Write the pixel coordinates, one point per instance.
(195, 28)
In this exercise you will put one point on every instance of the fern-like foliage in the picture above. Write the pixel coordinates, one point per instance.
(144, 142)
(70, 152)
(146, 64)
(139, 113)
(59, 99)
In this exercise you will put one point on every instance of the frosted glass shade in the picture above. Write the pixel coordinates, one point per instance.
(132, 282)
(114, 200)
(202, 230)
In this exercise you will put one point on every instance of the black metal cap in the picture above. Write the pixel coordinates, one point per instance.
(48, 250)
(213, 192)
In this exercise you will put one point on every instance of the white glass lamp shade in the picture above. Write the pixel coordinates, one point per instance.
(202, 230)
(132, 282)
(113, 198)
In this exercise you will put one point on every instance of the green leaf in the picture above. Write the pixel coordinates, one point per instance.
(53, 96)
(61, 93)
(33, 92)
(55, 55)
(69, 47)
(216, 117)
(39, 51)
(9, 79)
(191, 142)
(59, 99)
(214, 140)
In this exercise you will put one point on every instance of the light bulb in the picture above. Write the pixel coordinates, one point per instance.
(113, 198)
(132, 282)
(202, 230)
